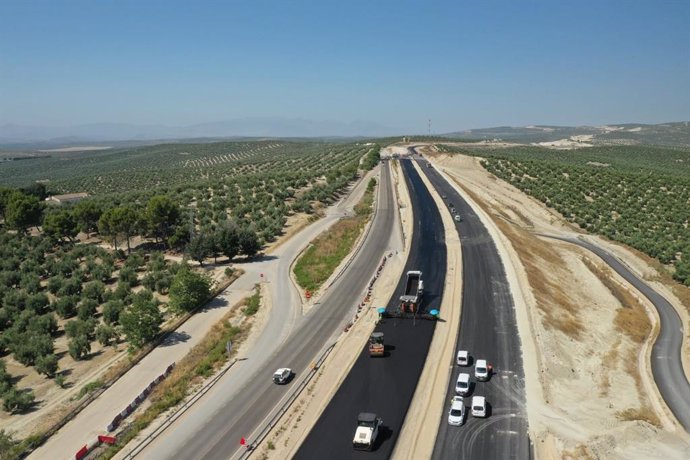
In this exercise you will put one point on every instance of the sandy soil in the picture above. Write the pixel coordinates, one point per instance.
(566, 321)
(573, 142)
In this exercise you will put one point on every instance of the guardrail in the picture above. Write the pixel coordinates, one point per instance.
(251, 446)
(178, 412)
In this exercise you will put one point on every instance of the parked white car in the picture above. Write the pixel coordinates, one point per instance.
(282, 375)
(478, 406)
(462, 385)
(456, 414)
(463, 358)
(457, 218)
(481, 370)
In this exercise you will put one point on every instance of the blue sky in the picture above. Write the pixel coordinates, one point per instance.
(463, 64)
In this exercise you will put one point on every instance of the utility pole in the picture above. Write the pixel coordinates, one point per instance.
(429, 127)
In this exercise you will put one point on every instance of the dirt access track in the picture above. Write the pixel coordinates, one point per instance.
(586, 333)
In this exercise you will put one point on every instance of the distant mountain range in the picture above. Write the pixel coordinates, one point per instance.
(675, 134)
(243, 127)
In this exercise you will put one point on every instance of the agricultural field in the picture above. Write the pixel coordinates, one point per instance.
(78, 281)
(637, 195)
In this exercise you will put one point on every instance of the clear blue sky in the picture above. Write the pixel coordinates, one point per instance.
(463, 64)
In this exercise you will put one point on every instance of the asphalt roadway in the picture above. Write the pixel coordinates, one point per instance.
(213, 427)
(488, 330)
(667, 366)
(386, 385)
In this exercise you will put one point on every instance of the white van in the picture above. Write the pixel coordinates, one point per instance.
(481, 370)
(463, 358)
(462, 385)
(478, 406)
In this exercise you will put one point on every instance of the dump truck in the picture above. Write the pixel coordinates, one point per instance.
(414, 287)
(367, 430)
(376, 347)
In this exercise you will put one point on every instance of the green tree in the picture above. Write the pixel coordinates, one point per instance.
(227, 240)
(105, 334)
(5, 194)
(37, 189)
(5, 378)
(22, 211)
(86, 309)
(17, 401)
(66, 306)
(7, 445)
(189, 290)
(94, 290)
(79, 327)
(47, 365)
(60, 224)
(115, 223)
(128, 277)
(162, 215)
(112, 310)
(200, 247)
(79, 347)
(141, 322)
(249, 242)
(87, 213)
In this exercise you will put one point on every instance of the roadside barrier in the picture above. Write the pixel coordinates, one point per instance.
(91, 445)
(177, 413)
(138, 400)
(370, 288)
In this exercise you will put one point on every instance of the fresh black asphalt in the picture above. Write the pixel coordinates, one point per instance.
(238, 417)
(386, 385)
(488, 330)
(667, 365)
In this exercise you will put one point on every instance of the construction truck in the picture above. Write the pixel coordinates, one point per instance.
(376, 347)
(414, 288)
(367, 430)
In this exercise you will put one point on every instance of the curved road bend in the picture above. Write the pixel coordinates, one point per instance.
(488, 330)
(667, 365)
(212, 428)
(386, 385)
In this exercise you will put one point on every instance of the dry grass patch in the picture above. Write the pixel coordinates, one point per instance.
(632, 321)
(544, 267)
(643, 413)
(579, 453)
(632, 318)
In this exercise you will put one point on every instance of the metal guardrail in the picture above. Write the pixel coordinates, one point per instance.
(251, 446)
(178, 413)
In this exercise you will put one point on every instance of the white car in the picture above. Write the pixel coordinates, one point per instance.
(463, 358)
(481, 370)
(462, 385)
(282, 375)
(456, 414)
(478, 406)
(457, 218)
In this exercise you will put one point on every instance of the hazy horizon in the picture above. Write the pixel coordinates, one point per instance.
(384, 66)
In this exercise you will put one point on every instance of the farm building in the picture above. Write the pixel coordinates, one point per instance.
(67, 198)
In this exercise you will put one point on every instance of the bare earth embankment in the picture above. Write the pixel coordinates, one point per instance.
(590, 392)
